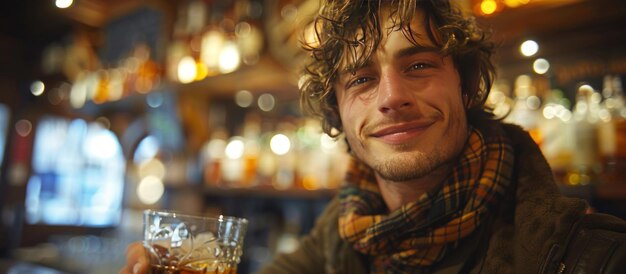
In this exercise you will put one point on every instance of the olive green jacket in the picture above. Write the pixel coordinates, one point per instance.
(536, 230)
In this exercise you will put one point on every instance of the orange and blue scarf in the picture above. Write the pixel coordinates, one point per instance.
(422, 232)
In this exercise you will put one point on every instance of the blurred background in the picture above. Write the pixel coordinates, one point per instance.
(111, 107)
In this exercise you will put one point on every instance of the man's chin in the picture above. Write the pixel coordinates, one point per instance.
(407, 166)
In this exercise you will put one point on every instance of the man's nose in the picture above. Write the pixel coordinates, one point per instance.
(392, 95)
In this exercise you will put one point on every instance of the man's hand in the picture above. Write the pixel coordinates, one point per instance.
(136, 259)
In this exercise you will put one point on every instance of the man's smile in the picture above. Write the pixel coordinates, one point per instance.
(401, 133)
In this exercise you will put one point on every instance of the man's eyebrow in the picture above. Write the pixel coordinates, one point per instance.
(414, 50)
(351, 68)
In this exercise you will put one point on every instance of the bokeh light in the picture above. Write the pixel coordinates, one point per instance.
(541, 66)
(23, 127)
(154, 99)
(244, 98)
(266, 102)
(187, 70)
(63, 4)
(152, 167)
(150, 190)
(235, 148)
(280, 144)
(229, 57)
(37, 88)
(529, 48)
(488, 6)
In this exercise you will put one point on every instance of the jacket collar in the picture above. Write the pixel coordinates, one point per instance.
(536, 216)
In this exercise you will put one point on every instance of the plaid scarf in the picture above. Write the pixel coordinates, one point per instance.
(422, 232)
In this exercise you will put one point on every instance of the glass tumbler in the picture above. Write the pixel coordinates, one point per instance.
(185, 244)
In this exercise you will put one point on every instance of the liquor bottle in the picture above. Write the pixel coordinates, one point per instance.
(612, 132)
(312, 164)
(101, 92)
(251, 134)
(213, 156)
(558, 136)
(282, 145)
(585, 159)
(267, 160)
(148, 71)
(525, 111)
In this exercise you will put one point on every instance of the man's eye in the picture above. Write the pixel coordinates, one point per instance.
(358, 81)
(419, 66)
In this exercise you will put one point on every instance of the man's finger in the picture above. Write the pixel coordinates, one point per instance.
(137, 260)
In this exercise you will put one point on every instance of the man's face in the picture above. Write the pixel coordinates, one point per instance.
(403, 113)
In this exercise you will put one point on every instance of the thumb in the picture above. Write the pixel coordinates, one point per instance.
(141, 266)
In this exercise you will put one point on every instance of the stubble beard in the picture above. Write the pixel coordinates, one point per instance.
(405, 162)
(400, 168)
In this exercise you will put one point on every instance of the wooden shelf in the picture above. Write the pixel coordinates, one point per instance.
(269, 192)
(583, 192)
(615, 191)
(263, 191)
(601, 191)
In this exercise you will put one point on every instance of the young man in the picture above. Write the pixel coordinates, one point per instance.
(435, 184)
